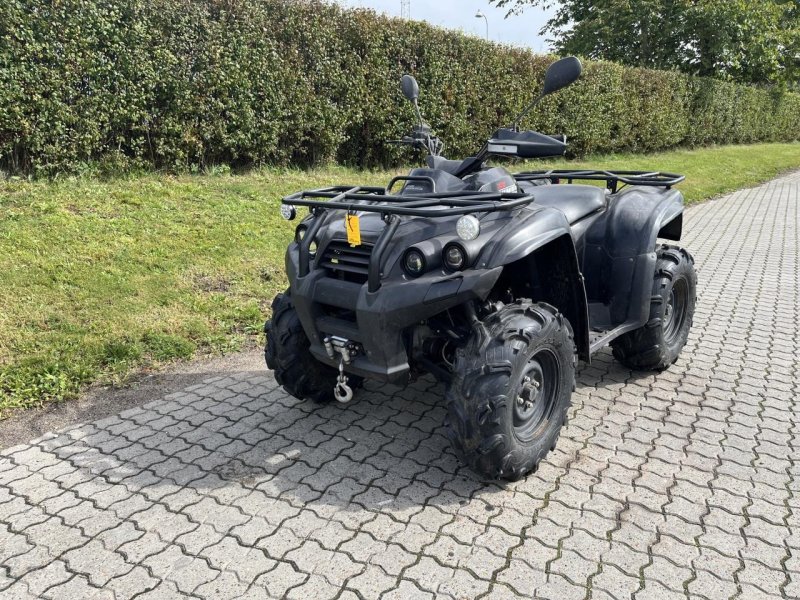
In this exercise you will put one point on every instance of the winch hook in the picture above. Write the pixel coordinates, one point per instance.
(341, 391)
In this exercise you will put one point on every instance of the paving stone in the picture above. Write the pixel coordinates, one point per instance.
(96, 563)
(52, 574)
(614, 582)
(372, 582)
(226, 587)
(18, 590)
(315, 587)
(558, 587)
(186, 572)
(653, 590)
(131, 584)
(428, 574)
(406, 590)
(77, 587)
(35, 558)
(710, 586)
(55, 536)
(281, 579)
(136, 551)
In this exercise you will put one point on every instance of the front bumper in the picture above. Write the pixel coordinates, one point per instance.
(381, 317)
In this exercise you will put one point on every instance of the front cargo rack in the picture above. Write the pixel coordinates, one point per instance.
(612, 178)
(378, 200)
(390, 207)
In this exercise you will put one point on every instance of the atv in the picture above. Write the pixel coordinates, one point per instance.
(493, 283)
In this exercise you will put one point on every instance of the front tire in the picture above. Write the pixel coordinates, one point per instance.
(511, 390)
(657, 344)
(288, 355)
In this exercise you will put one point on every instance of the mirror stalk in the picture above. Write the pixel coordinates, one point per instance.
(525, 113)
(419, 114)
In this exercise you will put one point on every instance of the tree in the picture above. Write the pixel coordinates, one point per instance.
(754, 41)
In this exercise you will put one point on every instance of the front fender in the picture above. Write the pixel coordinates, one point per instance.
(539, 261)
(534, 228)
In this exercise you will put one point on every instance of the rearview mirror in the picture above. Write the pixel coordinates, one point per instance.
(410, 88)
(561, 74)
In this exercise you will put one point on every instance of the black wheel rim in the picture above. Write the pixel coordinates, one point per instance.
(536, 394)
(675, 311)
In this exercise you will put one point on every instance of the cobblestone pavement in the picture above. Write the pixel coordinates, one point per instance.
(680, 484)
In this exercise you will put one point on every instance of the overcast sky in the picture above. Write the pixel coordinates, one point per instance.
(520, 30)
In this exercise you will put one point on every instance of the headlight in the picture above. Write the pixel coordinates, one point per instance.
(414, 263)
(312, 249)
(300, 233)
(468, 228)
(455, 258)
(288, 212)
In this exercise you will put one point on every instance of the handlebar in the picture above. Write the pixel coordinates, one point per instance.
(405, 140)
(422, 140)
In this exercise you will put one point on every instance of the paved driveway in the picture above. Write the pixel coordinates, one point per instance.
(682, 484)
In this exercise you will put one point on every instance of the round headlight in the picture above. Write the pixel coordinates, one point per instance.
(468, 228)
(414, 263)
(288, 212)
(455, 258)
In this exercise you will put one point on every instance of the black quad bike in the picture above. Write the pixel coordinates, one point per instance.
(494, 283)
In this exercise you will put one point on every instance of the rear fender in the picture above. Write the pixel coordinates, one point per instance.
(635, 218)
(620, 251)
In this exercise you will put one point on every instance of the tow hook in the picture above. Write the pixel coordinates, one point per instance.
(342, 391)
(346, 350)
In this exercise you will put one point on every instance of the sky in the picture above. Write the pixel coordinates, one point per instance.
(519, 30)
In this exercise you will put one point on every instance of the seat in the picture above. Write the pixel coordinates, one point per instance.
(575, 201)
(448, 166)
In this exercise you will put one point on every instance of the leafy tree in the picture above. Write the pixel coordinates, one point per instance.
(754, 41)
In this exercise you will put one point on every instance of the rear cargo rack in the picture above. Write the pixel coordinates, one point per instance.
(390, 207)
(612, 178)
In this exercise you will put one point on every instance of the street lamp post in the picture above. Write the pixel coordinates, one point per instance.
(480, 15)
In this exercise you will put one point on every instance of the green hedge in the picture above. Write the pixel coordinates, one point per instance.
(182, 84)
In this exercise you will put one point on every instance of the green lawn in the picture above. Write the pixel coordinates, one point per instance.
(98, 278)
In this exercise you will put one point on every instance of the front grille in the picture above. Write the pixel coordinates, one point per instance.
(346, 262)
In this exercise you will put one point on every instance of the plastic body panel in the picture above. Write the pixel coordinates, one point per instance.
(525, 144)
(444, 181)
(619, 254)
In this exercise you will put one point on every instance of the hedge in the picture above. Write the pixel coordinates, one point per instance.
(181, 84)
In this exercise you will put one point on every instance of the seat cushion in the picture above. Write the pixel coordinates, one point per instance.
(575, 201)
(448, 166)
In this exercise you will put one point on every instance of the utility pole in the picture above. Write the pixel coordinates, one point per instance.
(405, 9)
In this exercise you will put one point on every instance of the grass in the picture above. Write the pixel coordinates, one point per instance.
(99, 278)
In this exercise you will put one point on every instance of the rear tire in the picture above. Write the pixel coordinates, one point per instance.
(288, 355)
(500, 423)
(657, 344)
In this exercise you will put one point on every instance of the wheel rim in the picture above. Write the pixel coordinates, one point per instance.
(675, 311)
(536, 394)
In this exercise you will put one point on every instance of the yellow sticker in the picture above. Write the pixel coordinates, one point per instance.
(353, 230)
